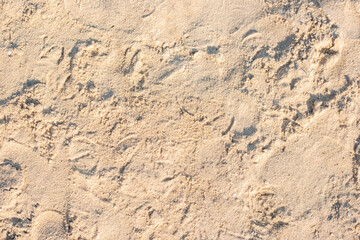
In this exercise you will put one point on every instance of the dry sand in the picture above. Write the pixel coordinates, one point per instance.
(162, 119)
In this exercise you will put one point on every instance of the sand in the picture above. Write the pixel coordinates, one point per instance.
(161, 119)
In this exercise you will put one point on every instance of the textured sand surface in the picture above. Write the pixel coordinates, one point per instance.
(162, 119)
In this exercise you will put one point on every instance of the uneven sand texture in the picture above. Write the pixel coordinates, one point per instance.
(162, 119)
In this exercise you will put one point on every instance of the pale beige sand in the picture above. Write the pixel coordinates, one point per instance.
(162, 119)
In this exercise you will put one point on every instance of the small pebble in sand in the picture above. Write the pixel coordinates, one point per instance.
(9, 52)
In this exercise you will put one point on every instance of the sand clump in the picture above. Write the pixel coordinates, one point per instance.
(49, 225)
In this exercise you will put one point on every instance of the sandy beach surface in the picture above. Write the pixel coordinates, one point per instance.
(186, 119)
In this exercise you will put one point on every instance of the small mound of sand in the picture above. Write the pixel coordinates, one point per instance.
(49, 225)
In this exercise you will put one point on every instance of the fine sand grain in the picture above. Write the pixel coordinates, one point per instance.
(162, 119)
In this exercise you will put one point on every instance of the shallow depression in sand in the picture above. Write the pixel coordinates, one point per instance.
(111, 13)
